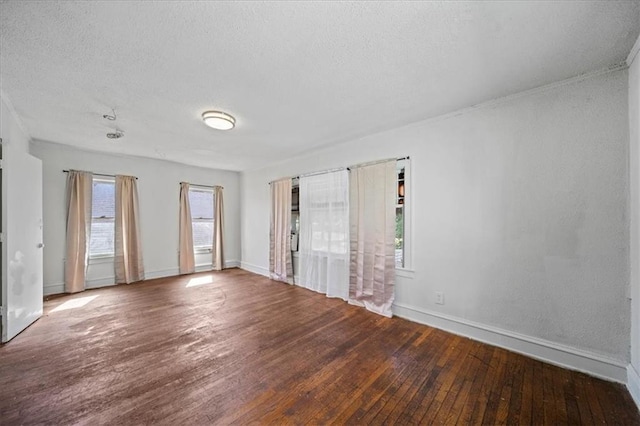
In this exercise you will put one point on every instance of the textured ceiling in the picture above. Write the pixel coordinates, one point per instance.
(296, 75)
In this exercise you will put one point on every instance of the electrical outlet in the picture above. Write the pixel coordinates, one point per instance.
(439, 298)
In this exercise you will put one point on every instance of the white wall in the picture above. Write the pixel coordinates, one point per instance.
(519, 217)
(158, 192)
(634, 156)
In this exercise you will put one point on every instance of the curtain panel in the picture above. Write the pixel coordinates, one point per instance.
(129, 265)
(324, 233)
(280, 262)
(372, 224)
(79, 193)
(218, 229)
(186, 256)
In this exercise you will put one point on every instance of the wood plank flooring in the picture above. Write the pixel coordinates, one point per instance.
(233, 347)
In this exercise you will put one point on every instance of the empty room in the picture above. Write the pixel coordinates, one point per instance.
(320, 212)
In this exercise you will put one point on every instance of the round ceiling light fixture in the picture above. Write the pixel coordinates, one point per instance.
(218, 120)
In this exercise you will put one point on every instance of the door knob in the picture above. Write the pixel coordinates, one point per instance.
(40, 245)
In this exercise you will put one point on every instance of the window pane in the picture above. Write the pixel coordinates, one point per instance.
(102, 234)
(399, 236)
(400, 195)
(103, 202)
(102, 218)
(401, 215)
(202, 233)
(201, 203)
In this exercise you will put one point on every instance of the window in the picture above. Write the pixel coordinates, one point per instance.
(401, 215)
(328, 213)
(201, 203)
(102, 217)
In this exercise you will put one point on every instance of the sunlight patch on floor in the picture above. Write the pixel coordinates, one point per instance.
(193, 282)
(74, 303)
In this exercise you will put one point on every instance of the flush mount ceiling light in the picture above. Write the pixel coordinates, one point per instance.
(117, 134)
(218, 120)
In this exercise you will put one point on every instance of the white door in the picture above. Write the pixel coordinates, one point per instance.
(22, 246)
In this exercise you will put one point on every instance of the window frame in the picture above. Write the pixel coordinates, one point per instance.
(406, 207)
(209, 248)
(102, 256)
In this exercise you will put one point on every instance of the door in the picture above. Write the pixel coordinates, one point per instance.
(22, 240)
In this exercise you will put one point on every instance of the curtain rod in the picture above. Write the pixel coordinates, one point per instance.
(98, 174)
(321, 172)
(203, 186)
(371, 163)
(342, 168)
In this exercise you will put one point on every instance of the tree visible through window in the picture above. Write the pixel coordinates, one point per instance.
(201, 203)
(102, 217)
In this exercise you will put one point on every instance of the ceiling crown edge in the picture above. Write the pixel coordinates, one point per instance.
(634, 52)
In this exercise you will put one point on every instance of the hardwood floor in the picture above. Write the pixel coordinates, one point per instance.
(236, 348)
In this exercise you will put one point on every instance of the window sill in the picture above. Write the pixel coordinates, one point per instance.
(405, 273)
(105, 258)
(202, 251)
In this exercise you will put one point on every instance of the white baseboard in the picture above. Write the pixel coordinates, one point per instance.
(100, 282)
(203, 267)
(50, 289)
(544, 350)
(633, 384)
(255, 269)
(161, 273)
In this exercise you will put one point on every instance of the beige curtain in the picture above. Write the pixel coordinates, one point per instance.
(128, 245)
(218, 229)
(79, 188)
(186, 257)
(372, 197)
(280, 266)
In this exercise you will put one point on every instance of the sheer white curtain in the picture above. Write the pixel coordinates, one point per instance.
(372, 223)
(129, 264)
(280, 262)
(79, 189)
(324, 233)
(186, 256)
